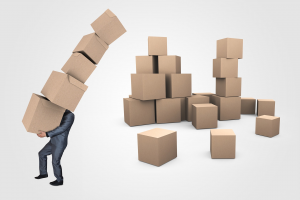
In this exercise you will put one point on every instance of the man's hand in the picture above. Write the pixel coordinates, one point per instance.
(41, 134)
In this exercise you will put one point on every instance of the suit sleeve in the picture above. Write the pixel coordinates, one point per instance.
(65, 125)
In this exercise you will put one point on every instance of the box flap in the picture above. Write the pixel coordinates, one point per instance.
(49, 104)
(77, 83)
(109, 13)
(102, 42)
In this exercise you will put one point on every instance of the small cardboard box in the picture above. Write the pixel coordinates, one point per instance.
(230, 48)
(229, 108)
(146, 64)
(157, 46)
(169, 64)
(205, 116)
(228, 87)
(267, 125)
(183, 108)
(179, 85)
(168, 110)
(137, 112)
(42, 115)
(64, 90)
(208, 94)
(222, 143)
(157, 146)
(196, 99)
(148, 86)
(225, 67)
(248, 105)
(108, 27)
(92, 47)
(79, 67)
(265, 107)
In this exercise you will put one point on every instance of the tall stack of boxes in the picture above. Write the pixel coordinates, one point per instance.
(158, 87)
(228, 84)
(64, 90)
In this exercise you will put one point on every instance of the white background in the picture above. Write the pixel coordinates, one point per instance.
(101, 161)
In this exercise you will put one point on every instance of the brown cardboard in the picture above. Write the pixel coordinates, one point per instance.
(138, 112)
(208, 94)
(178, 85)
(157, 46)
(228, 87)
(248, 105)
(230, 48)
(169, 64)
(79, 67)
(108, 27)
(183, 108)
(42, 115)
(168, 110)
(196, 99)
(205, 116)
(225, 67)
(157, 146)
(222, 143)
(148, 86)
(265, 107)
(92, 47)
(229, 108)
(146, 64)
(267, 125)
(130, 96)
(64, 90)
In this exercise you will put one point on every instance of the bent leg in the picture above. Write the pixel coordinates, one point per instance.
(43, 158)
(57, 153)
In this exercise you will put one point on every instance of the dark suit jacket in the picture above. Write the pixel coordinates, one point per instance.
(59, 135)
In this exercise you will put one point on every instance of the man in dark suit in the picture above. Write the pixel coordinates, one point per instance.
(56, 147)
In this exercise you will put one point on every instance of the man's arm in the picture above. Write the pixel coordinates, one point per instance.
(65, 125)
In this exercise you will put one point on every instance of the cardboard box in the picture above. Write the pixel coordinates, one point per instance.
(196, 99)
(157, 46)
(205, 116)
(137, 112)
(157, 146)
(222, 143)
(248, 105)
(130, 96)
(169, 64)
(148, 86)
(108, 27)
(225, 67)
(42, 115)
(168, 110)
(92, 47)
(178, 85)
(265, 107)
(228, 87)
(183, 108)
(229, 108)
(79, 67)
(230, 48)
(64, 90)
(208, 94)
(146, 64)
(267, 125)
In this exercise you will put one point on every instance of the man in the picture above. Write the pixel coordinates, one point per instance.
(56, 147)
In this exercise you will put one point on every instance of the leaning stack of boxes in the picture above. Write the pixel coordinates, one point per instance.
(158, 87)
(64, 90)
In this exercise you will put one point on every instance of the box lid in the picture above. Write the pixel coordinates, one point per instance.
(110, 13)
(268, 117)
(224, 132)
(204, 105)
(77, 83)
(265, 100)
(157, 132)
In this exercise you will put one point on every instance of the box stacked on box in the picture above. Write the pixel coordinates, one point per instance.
(64, 90)
(158, 77)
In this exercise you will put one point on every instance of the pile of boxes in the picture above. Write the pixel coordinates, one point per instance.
(64, 90)
(159, 90)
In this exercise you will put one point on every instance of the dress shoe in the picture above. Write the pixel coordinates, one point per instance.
(56, 183)
(41, 176)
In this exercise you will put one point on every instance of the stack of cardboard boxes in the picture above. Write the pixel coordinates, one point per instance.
(158, 87)
(228, 84)
(65, 90)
